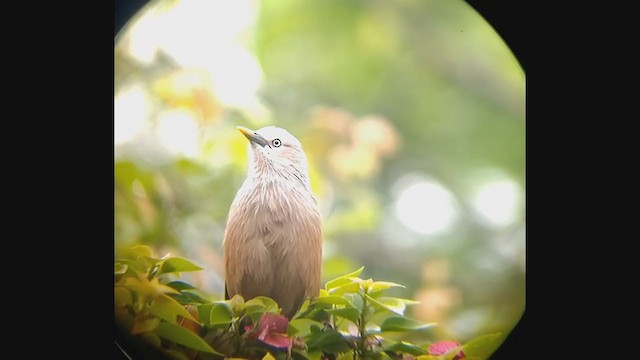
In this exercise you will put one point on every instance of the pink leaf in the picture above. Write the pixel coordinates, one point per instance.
(273, 330)
(445, 346)
(274, 323)
(277, 340)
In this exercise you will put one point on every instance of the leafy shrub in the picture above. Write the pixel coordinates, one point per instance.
(352, 318)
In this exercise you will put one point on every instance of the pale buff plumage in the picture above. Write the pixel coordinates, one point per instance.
(273, 237)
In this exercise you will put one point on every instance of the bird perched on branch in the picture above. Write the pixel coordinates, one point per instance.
(273, 238)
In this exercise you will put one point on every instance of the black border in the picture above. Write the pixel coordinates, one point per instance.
(507, 18)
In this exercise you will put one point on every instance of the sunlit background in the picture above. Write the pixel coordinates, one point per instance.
(412, 114)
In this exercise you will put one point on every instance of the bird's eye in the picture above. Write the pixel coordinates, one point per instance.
(276, 142)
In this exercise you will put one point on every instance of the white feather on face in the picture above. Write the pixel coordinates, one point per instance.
(282, 155)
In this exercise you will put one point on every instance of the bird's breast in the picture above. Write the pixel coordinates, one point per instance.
(278, 215)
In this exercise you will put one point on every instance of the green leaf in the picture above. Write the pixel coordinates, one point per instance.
(204, 313)
(168, 309)
(141, 325)
(249, 309)
(182, 336)
(180, 285)
(177, 265)
(393, 304)
(314, 355)
(269, 304)
(120, 268)
(483, 346)
(186, 300)
(355, 300)
(220, 314)
(122, 296)
(132, 265)
(255, 310)
(406, 347)
(194, 298)
(315, 311)
(345, 356)
(328, 341)
(149, 261)
(408, 301)
(268, 356)
(144, 287)
(304, 307)
(333, 300)
(341, 280)
(348, 312)
(353, 286)
(398, 323)
(136, 254)
(302, 327)
(379, 286)
(237, 304)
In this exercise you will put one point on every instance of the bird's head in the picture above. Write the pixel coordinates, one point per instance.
(274, 149)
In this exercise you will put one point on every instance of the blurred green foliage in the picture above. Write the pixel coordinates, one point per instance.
(350, 319)
(377, 92)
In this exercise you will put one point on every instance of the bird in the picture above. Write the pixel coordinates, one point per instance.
(273, 235)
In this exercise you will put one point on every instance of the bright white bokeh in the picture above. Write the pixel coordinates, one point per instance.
(205, 34)
(144, 34)
(209, 38)
(178, 131)
(498, 201)
(425, 206)
(131, 108)
(237, 76)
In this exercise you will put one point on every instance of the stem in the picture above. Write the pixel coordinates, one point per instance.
(363, 329)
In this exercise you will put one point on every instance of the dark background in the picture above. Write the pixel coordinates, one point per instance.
(507, 18)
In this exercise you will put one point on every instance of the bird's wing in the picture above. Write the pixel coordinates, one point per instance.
(298, 266)
(247, 260)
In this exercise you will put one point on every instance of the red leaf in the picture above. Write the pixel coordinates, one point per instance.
(445, 346)
(276, 340)
(272, 330)
(273, 323)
